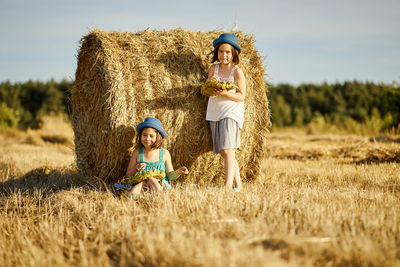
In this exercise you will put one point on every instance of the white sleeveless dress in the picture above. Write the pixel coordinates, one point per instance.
(219, 107)
(226, 118)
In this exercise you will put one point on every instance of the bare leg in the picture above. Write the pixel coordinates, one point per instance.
(238, 182)
(137, 188)
(230, 167)
(154, 184)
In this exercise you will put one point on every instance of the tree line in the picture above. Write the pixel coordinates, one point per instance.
(23, 105)
(346, 105)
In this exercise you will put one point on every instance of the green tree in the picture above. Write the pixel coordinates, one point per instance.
(341, 104)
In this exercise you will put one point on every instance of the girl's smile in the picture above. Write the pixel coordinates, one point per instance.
(149, 137)
(225, 54)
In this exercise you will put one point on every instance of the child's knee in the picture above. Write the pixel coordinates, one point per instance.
(152, 180)
(227, 152)
(224, 153)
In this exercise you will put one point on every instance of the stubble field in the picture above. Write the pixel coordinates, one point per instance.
(323, 200)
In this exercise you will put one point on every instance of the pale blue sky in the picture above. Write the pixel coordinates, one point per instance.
(302, 41)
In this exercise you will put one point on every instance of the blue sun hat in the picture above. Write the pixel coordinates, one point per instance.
(229, 38)
(154, 123)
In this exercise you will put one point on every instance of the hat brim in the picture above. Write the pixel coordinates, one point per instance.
(223, 40)
(142, 125)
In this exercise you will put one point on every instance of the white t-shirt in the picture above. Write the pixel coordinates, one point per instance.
(220, 107)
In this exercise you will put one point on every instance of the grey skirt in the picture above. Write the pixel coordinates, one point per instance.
(225, 134)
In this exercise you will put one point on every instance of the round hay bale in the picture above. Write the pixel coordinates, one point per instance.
(122, 78)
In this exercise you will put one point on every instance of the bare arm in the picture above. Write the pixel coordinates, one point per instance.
(240, 93)
(133, 167)
(171, 174)
(211, 74)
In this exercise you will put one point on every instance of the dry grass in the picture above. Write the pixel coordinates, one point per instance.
(322, 202)
(25, 151)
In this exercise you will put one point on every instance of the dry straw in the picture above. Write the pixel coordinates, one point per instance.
(122, 78)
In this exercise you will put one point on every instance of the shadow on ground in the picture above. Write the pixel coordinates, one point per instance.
(48, 181)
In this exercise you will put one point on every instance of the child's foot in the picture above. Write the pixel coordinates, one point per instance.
(235, 189)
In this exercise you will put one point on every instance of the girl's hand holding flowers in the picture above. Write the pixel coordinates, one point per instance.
(140, 167)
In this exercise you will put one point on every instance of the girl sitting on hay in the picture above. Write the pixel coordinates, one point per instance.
(150, 165)
(225, 109)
